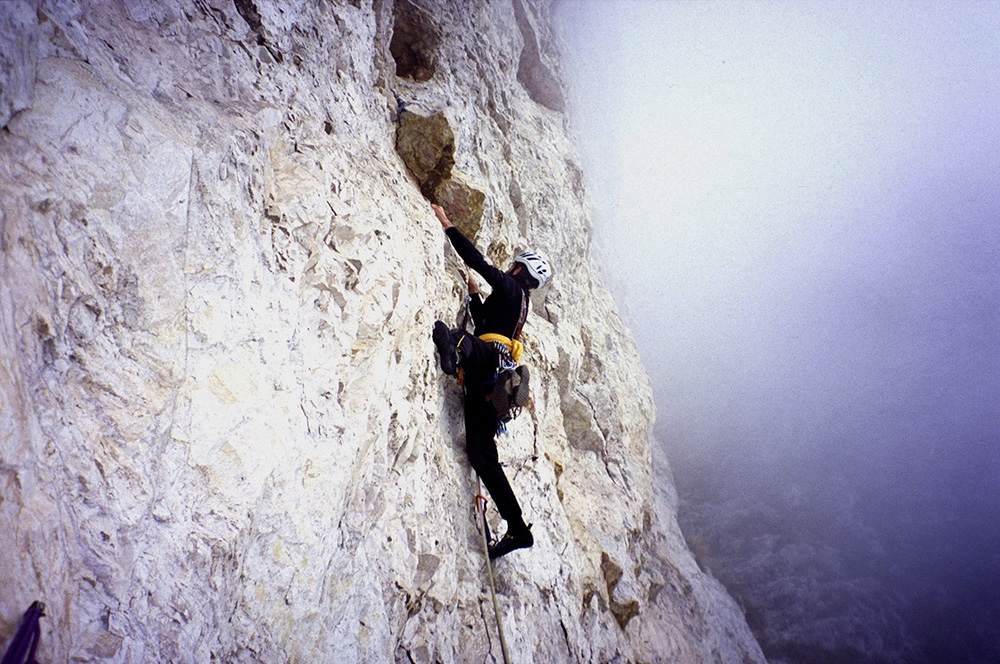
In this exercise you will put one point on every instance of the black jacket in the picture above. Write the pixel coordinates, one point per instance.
(501, 311)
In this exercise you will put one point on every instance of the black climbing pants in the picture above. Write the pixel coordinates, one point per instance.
(481, 446)
(479, 359)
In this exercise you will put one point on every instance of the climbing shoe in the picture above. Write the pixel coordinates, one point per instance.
(446, 347)
(512, 541)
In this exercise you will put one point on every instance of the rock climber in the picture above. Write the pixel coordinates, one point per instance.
(501, 314)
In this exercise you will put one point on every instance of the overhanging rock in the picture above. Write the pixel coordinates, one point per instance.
(427, 146)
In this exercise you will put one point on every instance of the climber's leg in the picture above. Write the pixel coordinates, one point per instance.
(446, 347)
(480, 432)
(458, 348)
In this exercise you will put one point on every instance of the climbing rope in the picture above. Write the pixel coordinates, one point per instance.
(481, 507)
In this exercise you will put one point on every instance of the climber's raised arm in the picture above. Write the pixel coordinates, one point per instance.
(467, 250)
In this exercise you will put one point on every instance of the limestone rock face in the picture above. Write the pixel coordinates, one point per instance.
(223, 432)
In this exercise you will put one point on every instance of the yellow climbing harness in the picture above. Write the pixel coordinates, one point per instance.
(515, 347)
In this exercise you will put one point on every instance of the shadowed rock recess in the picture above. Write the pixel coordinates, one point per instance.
(223, 433)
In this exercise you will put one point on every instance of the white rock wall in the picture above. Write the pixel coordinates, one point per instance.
(223, 433)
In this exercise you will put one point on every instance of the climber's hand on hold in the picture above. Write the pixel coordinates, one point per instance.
(473, 286)
(442, 217)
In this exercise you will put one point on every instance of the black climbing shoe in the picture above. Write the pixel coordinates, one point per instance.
(510, 541)
(446, 347)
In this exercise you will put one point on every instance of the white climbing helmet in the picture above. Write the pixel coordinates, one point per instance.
(537, 266)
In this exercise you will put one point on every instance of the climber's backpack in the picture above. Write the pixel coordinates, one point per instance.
(510, 393)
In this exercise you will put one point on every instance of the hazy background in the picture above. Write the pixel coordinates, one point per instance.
(797, 207)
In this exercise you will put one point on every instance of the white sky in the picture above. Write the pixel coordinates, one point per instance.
(789, 197)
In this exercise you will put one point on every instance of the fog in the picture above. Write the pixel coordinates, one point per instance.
(797, 207)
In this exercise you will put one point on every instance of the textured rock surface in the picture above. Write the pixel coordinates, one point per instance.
(223, 436)
(427, 146)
